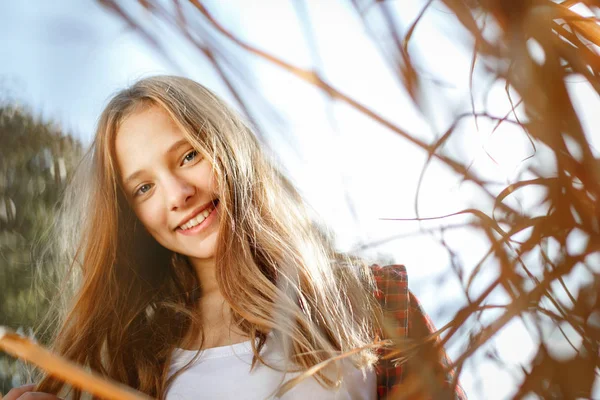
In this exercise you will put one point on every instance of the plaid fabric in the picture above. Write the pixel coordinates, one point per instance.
(406, 322)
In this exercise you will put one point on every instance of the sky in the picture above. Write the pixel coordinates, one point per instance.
(65, 59)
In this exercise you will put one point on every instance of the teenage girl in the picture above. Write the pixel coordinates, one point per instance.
(200, 274)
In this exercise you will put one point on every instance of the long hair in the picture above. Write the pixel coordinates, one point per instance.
(278, 270)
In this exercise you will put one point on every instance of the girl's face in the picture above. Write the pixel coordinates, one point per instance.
(169, 185)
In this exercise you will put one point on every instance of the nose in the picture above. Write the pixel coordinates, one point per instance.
(178, 192)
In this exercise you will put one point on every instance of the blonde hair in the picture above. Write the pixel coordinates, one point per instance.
(135, 300)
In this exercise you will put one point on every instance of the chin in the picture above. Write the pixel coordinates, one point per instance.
(196, 248)
(201, 259)
(200, 254)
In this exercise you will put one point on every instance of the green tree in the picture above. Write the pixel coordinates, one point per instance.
(36, 158)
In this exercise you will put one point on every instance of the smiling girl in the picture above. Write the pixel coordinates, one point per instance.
(201, 274)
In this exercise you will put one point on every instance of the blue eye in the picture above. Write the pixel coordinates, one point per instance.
(143, 189)
(189, 157)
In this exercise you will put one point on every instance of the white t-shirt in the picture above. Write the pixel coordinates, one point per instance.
(224, 373)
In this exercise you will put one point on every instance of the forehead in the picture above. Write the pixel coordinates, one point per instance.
(146, 124)
(143, 137)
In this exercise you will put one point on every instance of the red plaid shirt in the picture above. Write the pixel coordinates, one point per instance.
(406, 322)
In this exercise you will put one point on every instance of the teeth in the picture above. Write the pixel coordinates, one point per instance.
(197, 219)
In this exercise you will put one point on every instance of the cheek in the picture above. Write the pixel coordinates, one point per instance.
(213, 184)
(152, 219)
(204, 177)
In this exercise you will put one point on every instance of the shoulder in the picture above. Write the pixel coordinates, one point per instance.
(405, 319)
(391, 286)
(394, 272)
(391, 291)
(399, 303)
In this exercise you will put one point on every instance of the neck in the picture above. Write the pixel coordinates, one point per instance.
(206, 273)
(214, 310)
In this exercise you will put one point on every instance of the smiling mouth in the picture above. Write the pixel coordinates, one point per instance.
(198, 219)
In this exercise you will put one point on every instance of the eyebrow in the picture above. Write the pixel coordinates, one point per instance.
(174, 147)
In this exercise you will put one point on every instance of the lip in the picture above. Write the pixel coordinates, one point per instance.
(194, 213)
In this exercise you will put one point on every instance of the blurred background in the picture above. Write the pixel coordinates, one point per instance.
(456, 137)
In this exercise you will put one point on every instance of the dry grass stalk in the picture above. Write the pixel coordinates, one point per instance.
(27, 350)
